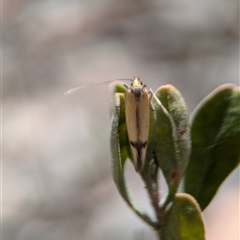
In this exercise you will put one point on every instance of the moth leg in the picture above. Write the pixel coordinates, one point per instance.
(151, 94)
(126, 86)
(117, 99)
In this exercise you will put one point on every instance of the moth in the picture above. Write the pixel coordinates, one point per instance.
(137, 107)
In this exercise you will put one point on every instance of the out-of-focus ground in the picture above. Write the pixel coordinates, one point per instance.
(57, 181)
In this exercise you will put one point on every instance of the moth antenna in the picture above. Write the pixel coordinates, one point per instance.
(73, 90)
(123, 79)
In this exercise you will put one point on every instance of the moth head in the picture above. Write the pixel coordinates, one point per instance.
(136, 83)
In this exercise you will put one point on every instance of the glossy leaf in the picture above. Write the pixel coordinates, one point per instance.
(215, 134)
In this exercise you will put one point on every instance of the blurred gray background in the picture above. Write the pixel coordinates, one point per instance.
(57, 181)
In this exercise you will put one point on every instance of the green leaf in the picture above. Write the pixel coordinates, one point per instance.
(174, 103)
(172, 141)
(165, 150)
(119, 121)
(215, 134)
(120, 151)
(183, 221)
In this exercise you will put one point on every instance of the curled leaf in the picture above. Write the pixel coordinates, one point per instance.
(173, 102)
(172, 141)
(120, 152)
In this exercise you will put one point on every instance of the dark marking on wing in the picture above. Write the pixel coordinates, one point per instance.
(139, 145)
(138, 122)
